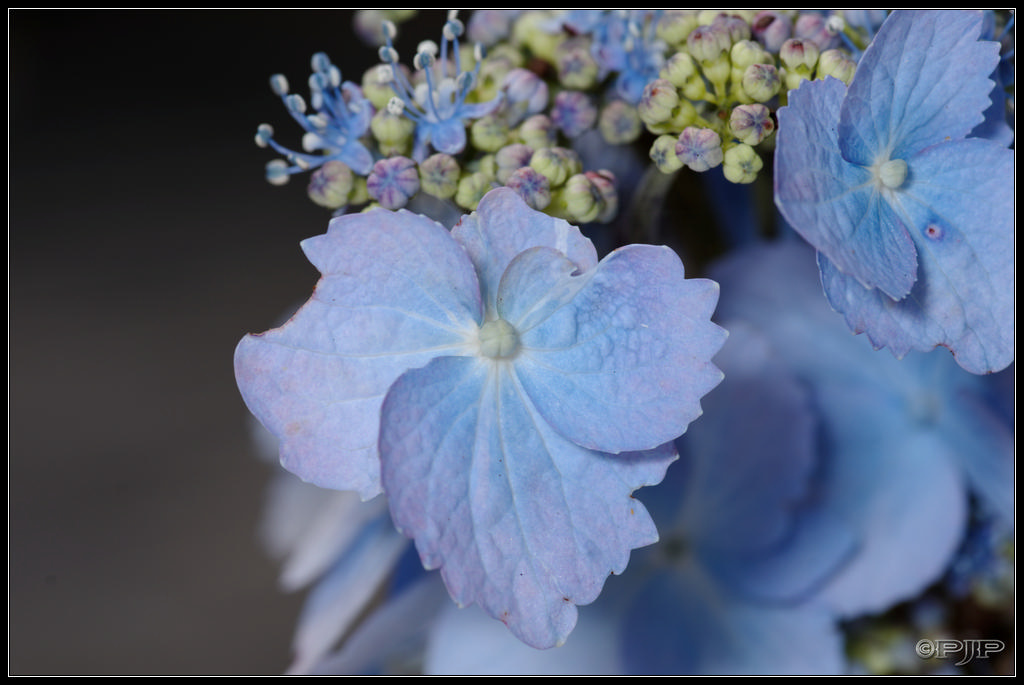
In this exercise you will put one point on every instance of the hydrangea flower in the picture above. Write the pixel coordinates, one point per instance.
(731, 586)
(505, 389)
(906, 443)
(341, 117)
(438, 104)
(913, 221)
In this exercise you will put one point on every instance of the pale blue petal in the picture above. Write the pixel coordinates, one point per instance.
(923, 80)
(749, 507)
(960, 202)
(466, 641)
(503, 226)
(623, 364)
(396, 292)
(833, 204)
(393, 634)
(681, 624)
(345, 592)
(902, 486)
(447, 136)
(521, 521)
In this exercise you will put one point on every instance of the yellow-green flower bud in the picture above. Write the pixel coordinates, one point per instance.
(330, 185)
(556, 163)
(680, 69)
(835, 63)
(472, 187)
(538, 131)
(751, 123)
(577, 69)
(439, 175)
(619, 123)
(675, 25)
(658, 102)
(391, 127)
(489, 133)
(376, 84)
(741, 164)
(761, 82)
(529, 31)
(663, 154)
(583, 200)
(799, 58)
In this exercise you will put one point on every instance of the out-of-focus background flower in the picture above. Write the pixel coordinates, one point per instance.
(144, 242)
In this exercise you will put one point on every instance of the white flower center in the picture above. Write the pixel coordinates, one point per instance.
(498, 339)
(891, 173)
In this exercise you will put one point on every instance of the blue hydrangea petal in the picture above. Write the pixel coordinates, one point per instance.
(833, 204)
(468, 641)
(923, 80)
(622, 365)
(520, 521)
(960, 202)
(680, 624)
(345, 592)
(396, 291)
(503, 226)
(447, 136)
(749, 506)
(907, 493)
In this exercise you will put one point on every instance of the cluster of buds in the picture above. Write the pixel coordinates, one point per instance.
(455, 125)
(714, 99)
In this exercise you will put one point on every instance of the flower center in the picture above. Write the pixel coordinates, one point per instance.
(498, 339)
(891, 173)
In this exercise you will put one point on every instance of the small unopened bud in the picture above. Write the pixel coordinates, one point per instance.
(709, 43)
(761, 82)
(392, 128)
(799, 55)
(816, 28)
(604, 181)
(680, 69)
(835, 63)
(573, 113)
(741, 164)
(330, 185)
(772, 28)
(556, 163)
(675, 25)
(472, 188)
(751, 123)
(663, 154)
(510, 158)
(583, 200)
(439, 175)
(699, 148)
(658, 102)
(538, 131)
(393, 181)
(576, 66)
(532, 186)
(620, 123)
(489, 133)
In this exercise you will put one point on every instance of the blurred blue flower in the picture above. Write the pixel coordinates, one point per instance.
(913, 221)
(506, 390)
(906, 443)
(624, 43)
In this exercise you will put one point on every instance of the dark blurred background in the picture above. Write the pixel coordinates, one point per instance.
(143, 244)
